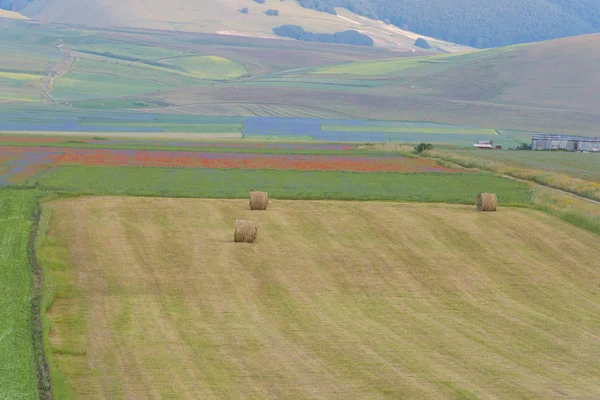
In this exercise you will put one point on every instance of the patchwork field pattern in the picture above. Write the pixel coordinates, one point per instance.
(255, 128)
(334, 300)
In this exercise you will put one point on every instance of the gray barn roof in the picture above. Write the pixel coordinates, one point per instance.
(566, 137)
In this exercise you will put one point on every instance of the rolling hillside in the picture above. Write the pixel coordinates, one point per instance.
(560, 74)
(224, 17)
(547, 87)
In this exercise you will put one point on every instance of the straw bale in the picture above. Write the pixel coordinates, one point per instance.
(259, 200)
(487, 202)
(245, 231)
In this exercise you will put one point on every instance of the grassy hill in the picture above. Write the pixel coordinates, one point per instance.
(222, 17)
(334, 300)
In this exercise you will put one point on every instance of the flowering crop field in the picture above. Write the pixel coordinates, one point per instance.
(22, 162)
(456, 188)
(376, 176)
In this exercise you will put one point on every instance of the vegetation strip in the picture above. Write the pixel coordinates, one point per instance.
(461, 188)
(18, 360)
(42, 369)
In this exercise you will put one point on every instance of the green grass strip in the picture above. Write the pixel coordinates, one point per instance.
(456, 188)
(17, 353)
(409, 129)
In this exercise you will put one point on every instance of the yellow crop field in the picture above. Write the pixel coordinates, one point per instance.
(19, 76)
(335, 300)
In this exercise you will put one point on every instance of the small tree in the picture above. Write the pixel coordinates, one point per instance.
(421, 147)
(244, 10)
(272, 13)
(422, 43)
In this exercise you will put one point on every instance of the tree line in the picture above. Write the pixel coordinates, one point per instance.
(346, 37)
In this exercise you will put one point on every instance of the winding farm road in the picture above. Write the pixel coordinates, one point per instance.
(56, 71)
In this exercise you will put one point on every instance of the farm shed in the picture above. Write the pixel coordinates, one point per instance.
(484, 144)
(561, 142)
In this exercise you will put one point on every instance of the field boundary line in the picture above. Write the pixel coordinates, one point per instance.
(41, 364)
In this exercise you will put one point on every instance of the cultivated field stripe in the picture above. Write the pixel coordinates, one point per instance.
(334, 300)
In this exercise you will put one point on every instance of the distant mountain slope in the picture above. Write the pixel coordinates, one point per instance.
(480, 23)
(545, 87)
(561, 74)
(234, 17)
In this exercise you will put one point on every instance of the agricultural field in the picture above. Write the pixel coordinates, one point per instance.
(366, 176)
(144, 119)
(461, 188)
(120, 71)
(392, 286)
(60, 121)
(18, 379)
(317, 171)
(577, 165)
(155, 300)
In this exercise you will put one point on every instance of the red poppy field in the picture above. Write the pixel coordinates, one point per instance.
(22, 162)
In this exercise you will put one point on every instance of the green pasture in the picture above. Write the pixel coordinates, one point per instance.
(409, 129)
(181, 128)
(129, 49)
(17, 354)
(210, 67)
(578, 165)
(109, 66)
(416, 65)
(26, 58)
(100, 77)
(81, 143)
(276, 138)
(315, 185)
(81, 85)
(300, 85)
(117, 104)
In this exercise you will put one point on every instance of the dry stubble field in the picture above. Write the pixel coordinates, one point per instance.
(335, 300)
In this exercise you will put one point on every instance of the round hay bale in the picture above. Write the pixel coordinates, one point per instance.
(245, 231)
(487, 202)
(259, 200)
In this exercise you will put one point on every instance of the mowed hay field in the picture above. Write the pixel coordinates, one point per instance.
(337, 300)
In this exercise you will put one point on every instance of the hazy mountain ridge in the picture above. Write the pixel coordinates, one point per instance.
(480, 23)
(231, 17)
